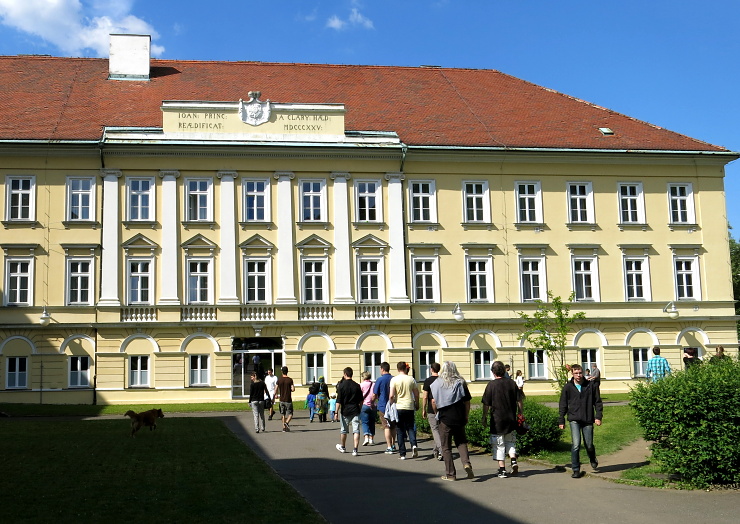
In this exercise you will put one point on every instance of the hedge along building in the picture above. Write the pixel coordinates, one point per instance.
(164, 223)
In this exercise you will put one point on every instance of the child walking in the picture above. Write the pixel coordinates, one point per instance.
(311, 405)
(332, 406)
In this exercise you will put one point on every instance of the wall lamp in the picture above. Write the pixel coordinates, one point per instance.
(45, 317)
(671, 309)
(457, 313)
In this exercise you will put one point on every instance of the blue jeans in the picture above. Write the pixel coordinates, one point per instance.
(311, 412)
(367, 417)
(406, 424)
(576, 429)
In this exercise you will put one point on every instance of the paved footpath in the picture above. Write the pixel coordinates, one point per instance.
(375, 486)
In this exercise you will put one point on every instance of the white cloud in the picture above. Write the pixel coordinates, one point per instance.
(356, 19)
(76, 27)
(335, 23)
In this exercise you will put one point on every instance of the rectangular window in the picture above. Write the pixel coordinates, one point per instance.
(585, 278)
(687, 278)
(637, 278)
(17, 374)
(426, 359)
(631, 203)
(79, 372)
(256, 200)
(536, 361)
(79, 282)
(20, 203)
(588, 357)
(313, 201)
(480, 279)
(140, 199)
(199, 200)
(256, 281)
(528, 202)
(372, 363)
(423, 201)
(426, 279)
(139, 371)
(18, 282)
(476, 203)
(199, 370)
(681, 204)
(199, 281)
(140, 282)
(580, 203)
(80, 198)
(483, 361)
(639, 361)
(314, 281)
(532, 272)
(370, 280)
(314, 367)
(369, 200)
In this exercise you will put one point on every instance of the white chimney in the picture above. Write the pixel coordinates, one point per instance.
(129, 57)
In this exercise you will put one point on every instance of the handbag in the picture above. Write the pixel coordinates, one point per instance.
(521, 425)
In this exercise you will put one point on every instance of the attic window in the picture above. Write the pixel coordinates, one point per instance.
(606, 131)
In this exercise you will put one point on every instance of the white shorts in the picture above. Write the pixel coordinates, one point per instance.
(501, 445)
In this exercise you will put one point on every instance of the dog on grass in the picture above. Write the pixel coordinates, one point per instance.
(145, 418)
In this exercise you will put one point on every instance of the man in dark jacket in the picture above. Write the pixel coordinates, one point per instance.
(349, 405)
(581, 400)
(500, 399)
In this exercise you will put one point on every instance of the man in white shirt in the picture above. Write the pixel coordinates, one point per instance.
(271, 383)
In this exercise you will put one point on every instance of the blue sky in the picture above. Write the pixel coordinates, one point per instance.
(671, 63)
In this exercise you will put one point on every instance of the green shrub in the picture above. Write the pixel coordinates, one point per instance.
(692, 417)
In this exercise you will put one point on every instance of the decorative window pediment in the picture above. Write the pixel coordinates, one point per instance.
(256, 243)
(199, 244)
(139, 243)
(313, 244)
(370, 244)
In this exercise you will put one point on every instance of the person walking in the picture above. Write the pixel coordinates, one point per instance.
(657, 367)
(381, 391)
(581, 401)
(427, 410)
(271, 384)
(257, 393)
(349, 405)
(405, 394)
(500, 399)
(595, 375)
(285, 390)
(451, 403)
(367, 415)
(322, 400)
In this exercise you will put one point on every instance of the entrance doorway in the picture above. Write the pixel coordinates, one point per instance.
(267, 351)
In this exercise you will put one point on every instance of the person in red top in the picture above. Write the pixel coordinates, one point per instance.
(285, 389)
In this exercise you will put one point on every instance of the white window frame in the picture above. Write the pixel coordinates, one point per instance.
(363, 199)
(581, 204)
(149, 275)
(373, 367)
(200, 375)
(420, 201)
(79, 378)
(540, 364)
(9, 276)
(314, 370)
(73, 192)
(432, 275)
(482, 360)
(487, 274)
(318, 197)
(678, 277)
(675, 207)
(580, 276)
(478, 203)
(639, 365)
(379, 277)
(631, 204)
(17, 374)
(10, 192)
(255, 194)
(138, 194)
(529, 203)
(644, 272)
(200, 274)
(541, 273)
(266, 275)
(323, 275)
(204, 196)
(589, 352)
(426, 359)
(139, 378)
(78, 276)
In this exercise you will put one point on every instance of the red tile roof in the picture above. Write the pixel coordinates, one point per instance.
(45, 98)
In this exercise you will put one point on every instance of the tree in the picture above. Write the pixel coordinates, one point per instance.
(735, 269)
(547, 329)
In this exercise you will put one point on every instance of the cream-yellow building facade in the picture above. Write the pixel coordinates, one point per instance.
(153, 265)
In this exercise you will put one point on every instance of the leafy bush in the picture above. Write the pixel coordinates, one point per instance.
(692, 417)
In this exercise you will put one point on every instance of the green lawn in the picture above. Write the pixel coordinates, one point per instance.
(187, 470)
